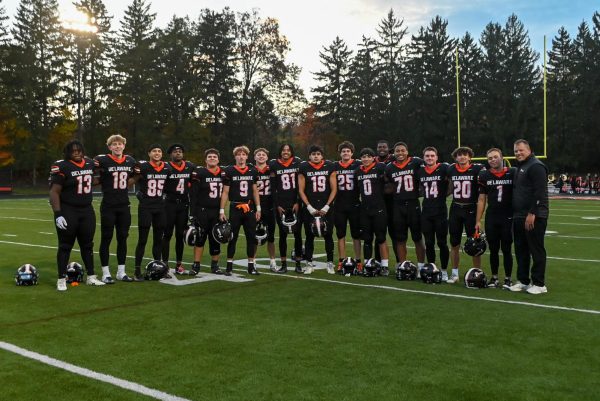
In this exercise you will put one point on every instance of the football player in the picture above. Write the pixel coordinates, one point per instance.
(151, 176)
(317, 187)
(71, 182)
(346, 202)
(402, 172)
(177, 204)
(239, 187)
(205, 200)
(433, 182)
(284, 184)
(385, 156)
(370, 181)
(463, 177)
(263, 183)
(114, 171)
(495, 190)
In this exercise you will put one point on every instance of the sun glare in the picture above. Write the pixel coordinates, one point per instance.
(75, 20)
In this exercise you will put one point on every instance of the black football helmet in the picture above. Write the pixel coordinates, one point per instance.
(261, 233)
(475, 278)
(372, 268)
(26, 275)
(74, 273)
(319, 227)
(156, 270)
(289, 220)
(406, 270)
(430, 274)
(349, 267)
(192, 234)
(475, 245)
(222, 232)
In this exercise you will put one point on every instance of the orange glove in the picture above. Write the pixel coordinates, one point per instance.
(244, 207)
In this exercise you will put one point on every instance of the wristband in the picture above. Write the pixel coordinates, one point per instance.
(221, 211)
(311, 209)
(325, 208)
(258, 208)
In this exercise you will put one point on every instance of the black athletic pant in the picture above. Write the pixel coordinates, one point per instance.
(529, 245)
(206, 219)
(373, 224)
(498, 231)
(267, 216)
(461, 217)
(284, 231)
(434, 224)
(309, 243)
(81, 226)
(176, 219)
(114, 219)
(238, 218)
(343, 215)
(389, 208)
(149, 217)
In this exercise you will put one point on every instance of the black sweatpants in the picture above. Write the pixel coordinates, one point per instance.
(529, 245)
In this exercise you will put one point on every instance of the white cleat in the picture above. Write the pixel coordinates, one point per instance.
(93, 280)
(453, 279)
(536, 290)
(444, 276)
(61, 284)
(519, 287)
(330, 268)
(310, 268)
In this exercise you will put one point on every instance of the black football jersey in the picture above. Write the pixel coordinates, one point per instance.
(498, 187)
(240, 182)
(75, 179)
(464, 182)
(370, 182)
(152, 182)
(316, 182)
(178, 182)
(347, 195)
(207, 187)
(388, 159)
(284, 181)
(114, 173)
(434, 185)
(263, 183)
(404, 177)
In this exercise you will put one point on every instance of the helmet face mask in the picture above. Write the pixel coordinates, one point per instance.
(319, 227)
(476, 245)
(156, 270)
(406, 270)
(26, 275)
(372, 268)
(475, 278)
(289, 220)
(74, 273)
(349, 267)
(222, 232)
(430, 274)
(261, 233)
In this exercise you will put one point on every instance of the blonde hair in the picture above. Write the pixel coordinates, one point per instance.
(116, 138)
(261, 150)
(242, 148)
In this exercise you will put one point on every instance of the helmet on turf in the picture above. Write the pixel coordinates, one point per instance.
(349, 267)
(156, 270)
(289, 220)
(406, 270)
(74, 273)
(261, 233)
(475, 278)
(222, 232)
(191, 234)
(475, 245)
(430, 274)
(372, 268)
(318, 227)
(26, 275)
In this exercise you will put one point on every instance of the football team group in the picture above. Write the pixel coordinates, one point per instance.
(376, 194)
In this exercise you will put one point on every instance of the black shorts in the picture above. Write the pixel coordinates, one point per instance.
(81, 225)
(267, 216)
(343, 215)
(434, 224)
(206, 219)
(407, 215)
(461, 217)
(155, 217)
(373, 224)
(112, 217)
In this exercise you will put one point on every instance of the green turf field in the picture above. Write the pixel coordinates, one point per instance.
(289, 337)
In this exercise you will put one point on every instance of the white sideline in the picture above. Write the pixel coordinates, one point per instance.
(390, 288)
(115, 381)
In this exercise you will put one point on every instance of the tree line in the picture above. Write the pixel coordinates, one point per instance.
(222, 78)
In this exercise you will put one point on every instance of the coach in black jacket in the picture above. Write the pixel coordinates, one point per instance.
(530, 218)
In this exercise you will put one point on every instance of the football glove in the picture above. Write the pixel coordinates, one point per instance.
(61, 223)
(244, 207)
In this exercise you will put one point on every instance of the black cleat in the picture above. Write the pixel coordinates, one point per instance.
(253, 272)
(138, 278)
(216, 270)
(282, 270)
(228, 272)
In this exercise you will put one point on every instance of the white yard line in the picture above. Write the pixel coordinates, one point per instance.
(115, 381)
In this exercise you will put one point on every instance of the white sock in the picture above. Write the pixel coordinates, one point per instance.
(273, 262)
(455, 272)
(420, 264)
(121, 270)
(384, 262)
(105, 271)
